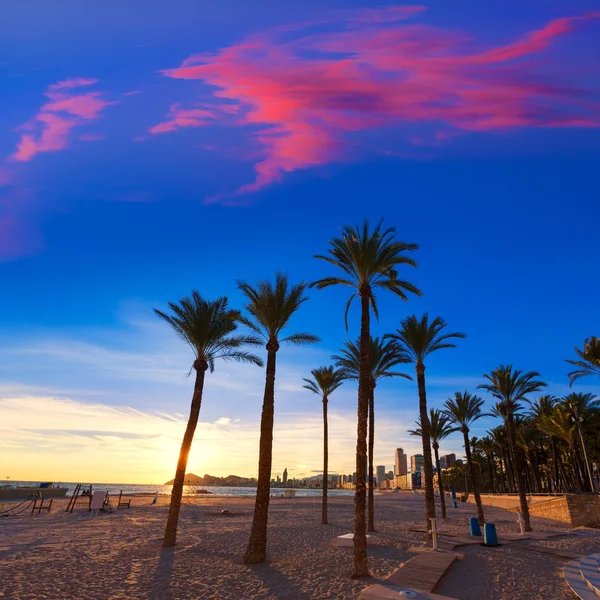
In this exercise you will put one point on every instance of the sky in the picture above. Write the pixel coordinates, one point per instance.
(149, 149)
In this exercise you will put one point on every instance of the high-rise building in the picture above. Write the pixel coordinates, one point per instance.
(447, 461)
(285, 476)
(380, 475)
(416, 463)
(400, 463)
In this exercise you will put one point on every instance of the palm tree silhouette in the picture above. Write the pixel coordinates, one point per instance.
(463, 410)
(270, 308)
(324, 382)
(383, 356)
(419, 338)
(206, 326)
(512, 386)
(368, 260)
(439, 429)
(589, 360)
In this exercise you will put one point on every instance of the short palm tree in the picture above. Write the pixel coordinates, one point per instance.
(420, 338)
(325, 380)
(369, 259)
(589, 360)
(511, 387)
(463, 410)
(439, 429)
(207, 326)
(384, 355)
(486, 446)
(270, 308)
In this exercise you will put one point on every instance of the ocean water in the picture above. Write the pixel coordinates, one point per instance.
(151, 489)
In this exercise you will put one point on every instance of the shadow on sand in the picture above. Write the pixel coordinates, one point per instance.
(161, 583)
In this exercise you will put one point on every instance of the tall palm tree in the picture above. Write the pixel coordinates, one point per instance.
(384, 355)
(463, 410)
(420, 338)
(368, 259)
(439, 429)
(270, 308)
(589, 360)
(207, 326)
(512, 386)
(324, 382)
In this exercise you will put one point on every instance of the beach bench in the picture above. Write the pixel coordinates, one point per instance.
(123, 503)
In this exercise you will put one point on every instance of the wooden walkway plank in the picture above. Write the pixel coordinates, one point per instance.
(423, 571)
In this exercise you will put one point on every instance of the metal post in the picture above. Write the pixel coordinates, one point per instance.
(434, 533)
(579, 420)
(521, 522)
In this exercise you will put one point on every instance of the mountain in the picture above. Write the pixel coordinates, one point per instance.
(230, 480)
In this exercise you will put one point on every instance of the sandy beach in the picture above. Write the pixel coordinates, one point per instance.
(119, 556)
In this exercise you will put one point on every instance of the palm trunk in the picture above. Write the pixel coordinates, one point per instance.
(257, 546)
(426, 440)
(186, 445)
(371, 512)
(555, 464)
(440, 483)
(490, 461)
(325, 460)
(473, 477)
(359, 560)
(518, 467)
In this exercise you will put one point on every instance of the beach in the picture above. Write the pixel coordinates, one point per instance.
(119, 555)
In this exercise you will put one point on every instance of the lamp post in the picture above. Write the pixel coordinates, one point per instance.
(579, 419)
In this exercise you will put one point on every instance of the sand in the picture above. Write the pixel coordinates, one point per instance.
(119, 555)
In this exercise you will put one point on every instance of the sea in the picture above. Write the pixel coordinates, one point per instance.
(165, 490)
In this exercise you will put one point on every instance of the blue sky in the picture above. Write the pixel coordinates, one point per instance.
(134, 173)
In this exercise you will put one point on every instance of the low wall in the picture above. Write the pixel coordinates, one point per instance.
(577, 510)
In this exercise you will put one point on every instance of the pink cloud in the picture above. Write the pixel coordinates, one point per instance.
(308, 94)
(67, 108)
(179, 117)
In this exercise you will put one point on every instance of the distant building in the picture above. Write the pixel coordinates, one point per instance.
(400, 463)
(285, 476)
(416, 463)
(278, 479)
(404, 482)
(447, 461)
(380, 475)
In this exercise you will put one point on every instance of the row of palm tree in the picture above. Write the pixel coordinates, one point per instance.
(552, 449)
(367, 260)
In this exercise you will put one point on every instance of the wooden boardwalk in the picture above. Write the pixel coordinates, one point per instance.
(423, 571)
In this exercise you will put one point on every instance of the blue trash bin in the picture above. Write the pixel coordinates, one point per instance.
(474, 526)
(490, 537)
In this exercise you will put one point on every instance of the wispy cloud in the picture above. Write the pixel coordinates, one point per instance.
(179, 117)
(67, 107)
(371, 70)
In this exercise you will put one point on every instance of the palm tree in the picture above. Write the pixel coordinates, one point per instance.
(486, 446)
(512, 386)
(463, 410)
(324, 382)
(589, 360)
(270, 308)
(207, 327)
(368, 259)
(419, 338)
(583, 405)
(439, 429)
(383, 356)
(541, 409)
